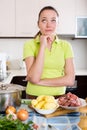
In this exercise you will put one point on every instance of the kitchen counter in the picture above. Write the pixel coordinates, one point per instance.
(22, 72)
(81, 72)
(64, 122)
(11, 74)
(69, 121)
(73, 121)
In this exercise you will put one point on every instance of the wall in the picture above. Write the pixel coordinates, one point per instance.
(80, 52)
(14, 50)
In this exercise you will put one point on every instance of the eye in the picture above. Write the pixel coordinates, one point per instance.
(53, 20)
(44, 20)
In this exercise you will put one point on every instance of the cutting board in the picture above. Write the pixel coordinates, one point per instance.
(59, 111)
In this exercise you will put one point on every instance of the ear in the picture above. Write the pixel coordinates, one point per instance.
(38, 24)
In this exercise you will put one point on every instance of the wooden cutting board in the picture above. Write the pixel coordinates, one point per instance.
(59, 111)
(83, 109)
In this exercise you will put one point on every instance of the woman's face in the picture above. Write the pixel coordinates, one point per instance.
(48, 22)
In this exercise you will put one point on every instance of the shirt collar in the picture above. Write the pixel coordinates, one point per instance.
(37, 39)
(56, 39)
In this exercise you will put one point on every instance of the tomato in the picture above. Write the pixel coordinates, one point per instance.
(10, 109)
(22, 114)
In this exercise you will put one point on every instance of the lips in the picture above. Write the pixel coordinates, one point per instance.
(48, 30)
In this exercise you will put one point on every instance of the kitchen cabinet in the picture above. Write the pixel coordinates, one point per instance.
(18, 18)
(27, 15)
(7, 18)
(81, 7)
(81, 87)
(66, 11)
(21, 16)
(26, 18)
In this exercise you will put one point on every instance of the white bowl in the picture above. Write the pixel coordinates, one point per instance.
(45, 111)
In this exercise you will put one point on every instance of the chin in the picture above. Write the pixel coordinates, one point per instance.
(49, 33)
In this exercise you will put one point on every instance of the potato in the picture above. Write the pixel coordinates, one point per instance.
(49, 99)
(40, 104)
(34, 102)
(50, 105)
(44, 102)
(40, 98)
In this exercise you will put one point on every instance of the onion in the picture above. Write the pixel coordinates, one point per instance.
(22, 114)
(10, 110)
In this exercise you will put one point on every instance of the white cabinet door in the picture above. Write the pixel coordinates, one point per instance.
(26, 18)
(7, 18)
(66, 9)
(19, 17)
(81, 8)
(27, 14)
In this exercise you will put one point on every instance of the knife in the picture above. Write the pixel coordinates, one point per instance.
(50, 127)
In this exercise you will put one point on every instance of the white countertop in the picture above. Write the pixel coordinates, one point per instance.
(81, 72)
(12, 73)
(22, 72)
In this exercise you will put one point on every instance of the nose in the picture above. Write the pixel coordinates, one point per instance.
(48, 24)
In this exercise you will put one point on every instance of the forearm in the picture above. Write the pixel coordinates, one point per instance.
(57, 82)
(36, 69)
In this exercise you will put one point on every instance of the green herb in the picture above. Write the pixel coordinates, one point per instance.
(6, 124)
(26, 101)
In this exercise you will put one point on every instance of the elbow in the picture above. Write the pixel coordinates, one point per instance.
(71, 82)
(34, 80)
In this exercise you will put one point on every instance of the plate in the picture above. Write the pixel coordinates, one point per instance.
(83, 103)
(44, 111)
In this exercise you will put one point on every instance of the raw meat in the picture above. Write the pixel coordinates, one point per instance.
(69, 99)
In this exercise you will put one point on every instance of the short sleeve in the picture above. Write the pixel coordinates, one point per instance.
(28, 49)
(68, 51)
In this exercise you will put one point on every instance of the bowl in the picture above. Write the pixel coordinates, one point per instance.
(83, 103)
(45, 111)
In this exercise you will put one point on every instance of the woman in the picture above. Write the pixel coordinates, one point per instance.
(49, 60)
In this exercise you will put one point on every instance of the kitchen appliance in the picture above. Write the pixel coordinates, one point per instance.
(10, 95)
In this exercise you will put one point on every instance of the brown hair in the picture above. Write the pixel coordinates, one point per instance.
(45, 8)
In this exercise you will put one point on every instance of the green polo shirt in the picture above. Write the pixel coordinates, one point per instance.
(53, 64)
